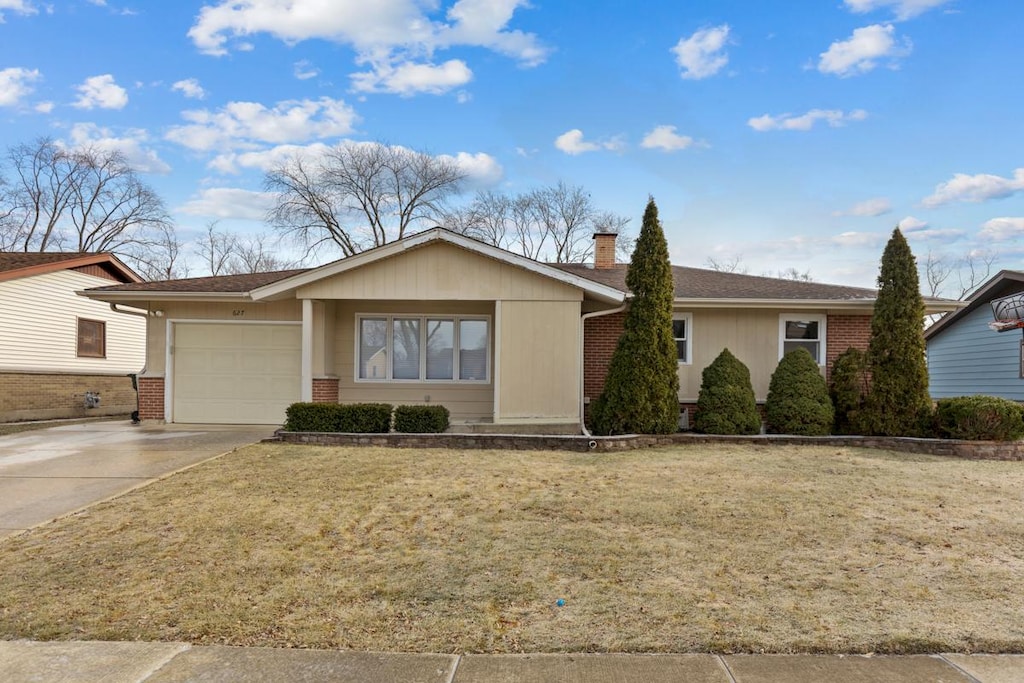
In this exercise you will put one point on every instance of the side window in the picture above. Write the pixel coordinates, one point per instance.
(802, 331)
(92, 338)
(682, 333)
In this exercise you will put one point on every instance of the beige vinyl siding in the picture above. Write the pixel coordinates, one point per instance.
(440, 272)
(752, 335)
(156, 336)
(466, 401)
(39, 326)
(539, 362)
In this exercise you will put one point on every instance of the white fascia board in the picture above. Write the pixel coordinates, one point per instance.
(138, 295)
(931, 306)
(596, 290)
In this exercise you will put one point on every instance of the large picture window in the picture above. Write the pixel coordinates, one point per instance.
(802, 331)
(92, 338)
(423, 348)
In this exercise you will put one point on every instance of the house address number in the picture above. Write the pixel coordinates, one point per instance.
(238, 313)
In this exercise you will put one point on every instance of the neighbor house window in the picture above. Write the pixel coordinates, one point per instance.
(681, 332)
(802, 331)
(92, 338)
(427, 348)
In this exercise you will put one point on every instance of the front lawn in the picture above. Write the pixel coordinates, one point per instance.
(688, 548)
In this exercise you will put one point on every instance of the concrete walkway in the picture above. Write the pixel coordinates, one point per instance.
(48, 473)
(116, 662)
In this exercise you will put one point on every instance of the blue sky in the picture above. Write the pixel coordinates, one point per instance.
(785, 134)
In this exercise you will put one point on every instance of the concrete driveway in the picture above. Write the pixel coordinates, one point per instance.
(51, 472)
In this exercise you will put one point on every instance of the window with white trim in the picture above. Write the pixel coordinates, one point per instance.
(682, 324)
(798, 330)
(422, 348)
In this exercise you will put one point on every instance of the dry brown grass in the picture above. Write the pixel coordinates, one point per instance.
(690, 548)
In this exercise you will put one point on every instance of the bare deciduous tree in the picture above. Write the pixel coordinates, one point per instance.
(161, 257)
(732, 264)
(359, 195)
(971, 270)
(216, 249)
(230, 253)
(85, 199)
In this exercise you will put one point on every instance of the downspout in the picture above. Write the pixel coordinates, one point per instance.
(141, 314)
(583, 319)
(135, 375)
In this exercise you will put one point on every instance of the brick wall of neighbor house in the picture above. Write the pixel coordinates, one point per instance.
(151, 398)
(325, 390)
(844, 331)
(45, 396)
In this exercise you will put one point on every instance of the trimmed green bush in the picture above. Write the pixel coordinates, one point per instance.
(849, 389)
(798, 402)
(726, 403)
(979, 418)
(421, 419)
(358, 418)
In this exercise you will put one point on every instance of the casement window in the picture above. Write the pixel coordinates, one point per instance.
(92, 338)
(422, 348)
(682, 324)
(797, 330)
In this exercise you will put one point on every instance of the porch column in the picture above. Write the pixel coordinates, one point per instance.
(306, 389)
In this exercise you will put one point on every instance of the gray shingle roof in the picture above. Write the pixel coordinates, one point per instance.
(220, 284)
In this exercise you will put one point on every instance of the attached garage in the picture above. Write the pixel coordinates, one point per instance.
(234, 373)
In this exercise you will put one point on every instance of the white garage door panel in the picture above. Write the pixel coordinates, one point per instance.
(235, 374)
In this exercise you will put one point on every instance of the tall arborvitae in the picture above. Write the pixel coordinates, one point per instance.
(898, 400)
(641, 392)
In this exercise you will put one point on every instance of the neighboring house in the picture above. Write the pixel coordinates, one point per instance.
(56, 347)
(504, 342)
(967, 357)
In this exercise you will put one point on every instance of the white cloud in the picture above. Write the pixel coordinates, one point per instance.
(1002, 229)
(17, 6)
(397, 38)
(101, 91)
(876, 206)
(482, 170)
(860, 52)
(228, 203)
(911, 224)
(304, 70)
(44, 107)
(408, 78)
(572, 142)
(856, 239)
(132, 144)
(15, 85)
(190, 88)
(666, 138)
(974, 188)
(244, 124)
(903, 9)
(834, 117)
(266, 159)
(703, 54)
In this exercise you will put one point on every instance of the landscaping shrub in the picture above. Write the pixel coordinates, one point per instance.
(848, 390)
(979, 418)
(798, 401)
(421, 419)
(360, 418)
(726, 403)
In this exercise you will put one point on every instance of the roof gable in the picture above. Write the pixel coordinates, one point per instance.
(15, 265)
(1003, 283)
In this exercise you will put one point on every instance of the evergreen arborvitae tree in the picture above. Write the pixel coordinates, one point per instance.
(641, 391)
(898, 400)
(798, 402)
(726, 403)
(849, 390)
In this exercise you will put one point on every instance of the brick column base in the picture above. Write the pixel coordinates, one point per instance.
(325, 390)
(151, 398)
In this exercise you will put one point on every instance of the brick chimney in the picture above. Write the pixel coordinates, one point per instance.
(604, 249)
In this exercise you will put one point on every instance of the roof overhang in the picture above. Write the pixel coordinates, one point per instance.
(282, 288)
(980, 297)
(137, 296)
(71, 263)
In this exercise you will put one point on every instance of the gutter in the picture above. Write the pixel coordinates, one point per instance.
(583, 319)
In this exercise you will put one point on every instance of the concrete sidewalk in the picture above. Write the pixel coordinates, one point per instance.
(121, 662)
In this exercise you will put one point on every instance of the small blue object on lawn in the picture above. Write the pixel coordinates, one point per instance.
(560, 602)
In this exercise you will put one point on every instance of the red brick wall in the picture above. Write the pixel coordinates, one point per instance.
(151, 398)
(325, 390)
(844, 331)
(600, 336)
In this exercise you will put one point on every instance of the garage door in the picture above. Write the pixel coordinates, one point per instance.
(235, 373)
